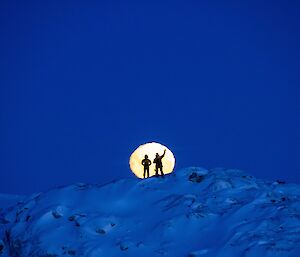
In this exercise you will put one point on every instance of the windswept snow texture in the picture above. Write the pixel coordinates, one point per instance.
(190, 213)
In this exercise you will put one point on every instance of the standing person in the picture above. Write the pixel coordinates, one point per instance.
(158, 163)
(146, 163)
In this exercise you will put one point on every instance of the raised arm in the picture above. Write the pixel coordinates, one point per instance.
(163, 154)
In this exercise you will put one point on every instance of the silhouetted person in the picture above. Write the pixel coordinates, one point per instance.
(158, 163)
(146, 163)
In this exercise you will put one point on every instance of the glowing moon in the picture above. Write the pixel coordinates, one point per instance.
(151, 149)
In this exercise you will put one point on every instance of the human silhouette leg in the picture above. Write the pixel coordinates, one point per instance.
(146, 172)
(161, 171)
(156, 171)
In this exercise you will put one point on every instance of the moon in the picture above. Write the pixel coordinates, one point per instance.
(151, 149)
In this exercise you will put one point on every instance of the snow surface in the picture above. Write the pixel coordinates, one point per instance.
(8, 200)
(193, 212)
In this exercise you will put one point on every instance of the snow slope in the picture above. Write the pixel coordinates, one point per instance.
(8, 200)
(191, 213)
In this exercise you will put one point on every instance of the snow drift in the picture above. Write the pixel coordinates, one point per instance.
(189, 213)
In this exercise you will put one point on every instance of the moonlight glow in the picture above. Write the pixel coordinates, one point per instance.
(151, 149)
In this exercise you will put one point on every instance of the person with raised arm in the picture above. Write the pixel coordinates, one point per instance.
(158, 163)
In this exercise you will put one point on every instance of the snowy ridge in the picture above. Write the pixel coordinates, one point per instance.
(190, 213)
(8, 200)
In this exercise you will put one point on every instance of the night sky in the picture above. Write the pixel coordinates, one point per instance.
(83, 83)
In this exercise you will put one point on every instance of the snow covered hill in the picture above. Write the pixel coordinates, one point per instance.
(191, 213)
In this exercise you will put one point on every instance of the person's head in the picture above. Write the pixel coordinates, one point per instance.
(157, 154)
(146, 156)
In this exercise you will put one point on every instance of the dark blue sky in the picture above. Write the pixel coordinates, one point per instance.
(82, 83)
